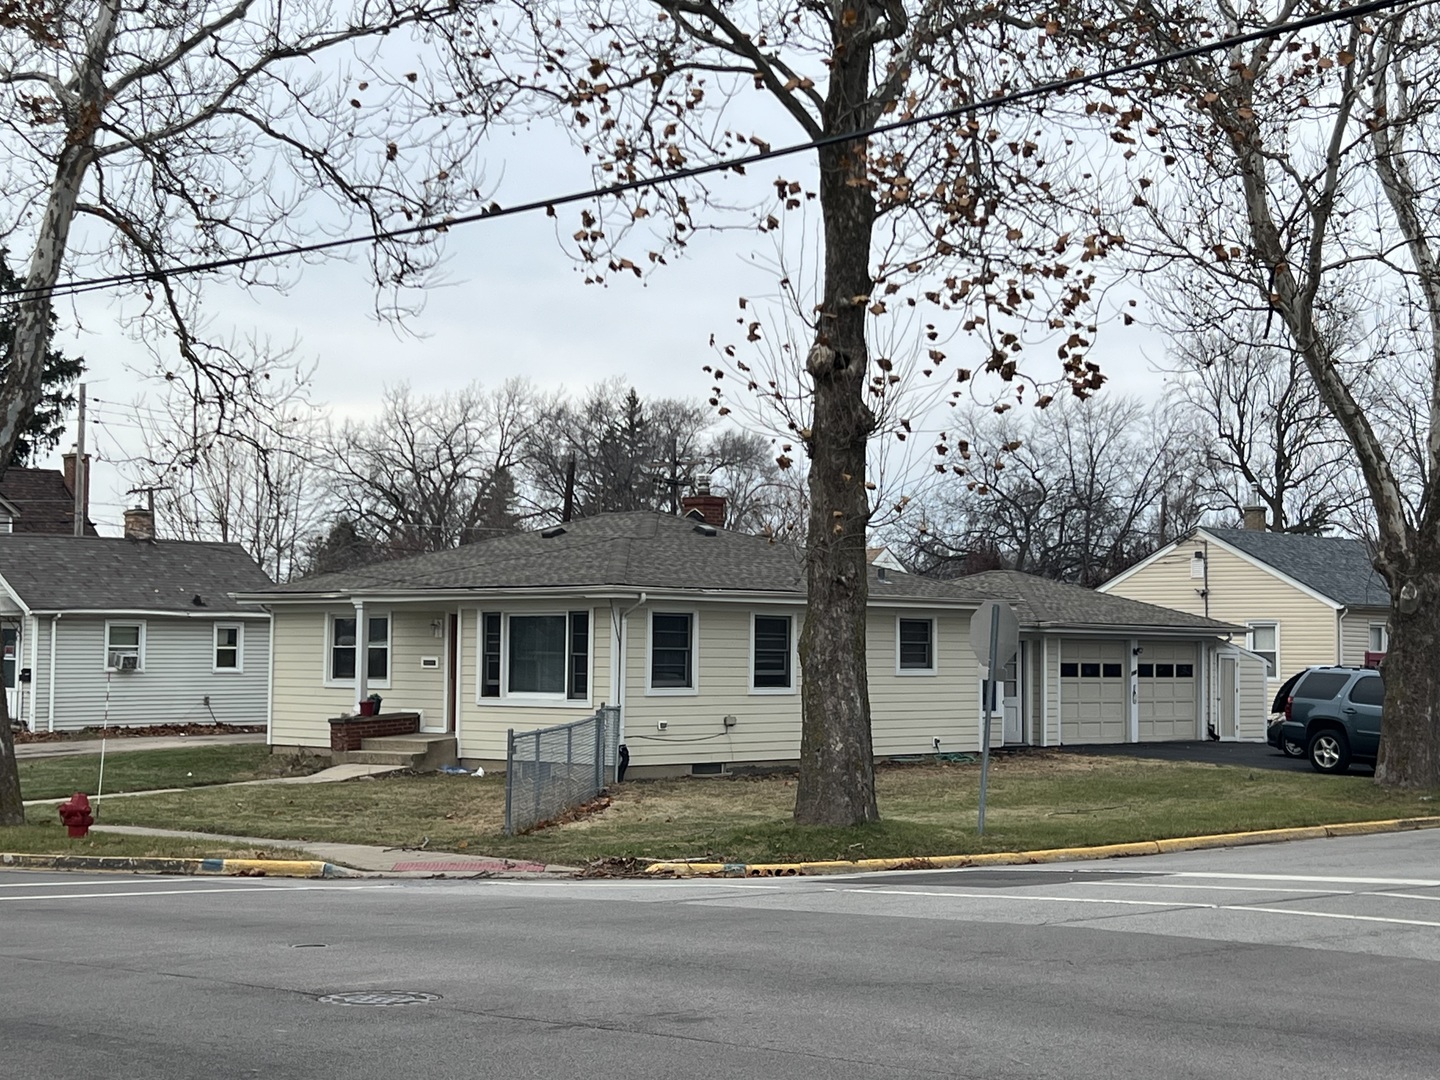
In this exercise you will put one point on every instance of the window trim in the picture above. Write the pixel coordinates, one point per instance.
(139, 647)
(562, 700)
(1250, 643)
(371, 682)
(913, 672)
(794, 671)
(672, 691)
(1384, 628)
(239, 647)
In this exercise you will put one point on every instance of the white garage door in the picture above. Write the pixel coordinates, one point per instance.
(1169, 702)
(1092, 692)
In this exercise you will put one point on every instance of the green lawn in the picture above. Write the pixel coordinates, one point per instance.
(44, 838)
(146, 770)
(1037, 800)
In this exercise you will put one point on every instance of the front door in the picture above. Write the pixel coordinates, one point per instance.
(1228, 692)
(1010, 703)
(10, 651)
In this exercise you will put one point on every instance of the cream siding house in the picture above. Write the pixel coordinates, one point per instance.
(1304, 600)
(101, 630)
(693, 631)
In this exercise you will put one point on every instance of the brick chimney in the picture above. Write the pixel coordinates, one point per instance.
(703, 505)
(69, 460)
(139, 524)
(1254, 513)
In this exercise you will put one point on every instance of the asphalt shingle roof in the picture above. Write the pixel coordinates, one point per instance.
(1334, 567)
(42, 502)
(1040, 602)
(640, 550)
(658, 552)
(85, 573)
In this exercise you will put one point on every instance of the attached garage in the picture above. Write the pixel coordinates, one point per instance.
(1166, 682)
(1093, 694)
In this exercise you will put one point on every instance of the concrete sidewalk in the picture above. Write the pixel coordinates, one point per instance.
(121, 744)
(396, 862)
(333, 774)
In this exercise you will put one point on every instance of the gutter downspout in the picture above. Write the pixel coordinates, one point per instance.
(1340, 614)
(54, 623)
(619, 621)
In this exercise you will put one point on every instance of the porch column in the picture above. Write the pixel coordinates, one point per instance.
(362, 653)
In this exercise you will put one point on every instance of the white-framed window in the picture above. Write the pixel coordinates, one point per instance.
(539, 655)
(125, 645)
(1379, 637)
(7, 523)
(671, 663)
(914, 646)
(229, 647)
(772, 654)
(341, 649)
(1264, 640)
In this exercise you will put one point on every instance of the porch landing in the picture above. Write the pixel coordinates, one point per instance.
(421, 752)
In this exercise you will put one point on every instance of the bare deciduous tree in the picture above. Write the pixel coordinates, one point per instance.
(211, 480)
(1076, 492)
(954, 216)
(431, 473)
(1300, 168)
(141, 135)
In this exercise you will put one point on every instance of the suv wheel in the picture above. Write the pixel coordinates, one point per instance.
(1291, 747)
(1329, 751)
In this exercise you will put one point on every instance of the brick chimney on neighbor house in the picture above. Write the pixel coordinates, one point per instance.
(139, 524)
(69, 467)
(1254, 513)
(703, 505)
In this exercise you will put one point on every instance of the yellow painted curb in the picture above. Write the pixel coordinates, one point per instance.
(301, 868)
(1020, 858)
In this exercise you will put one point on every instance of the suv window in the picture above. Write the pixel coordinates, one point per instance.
(1321, 685)
(1368, 691)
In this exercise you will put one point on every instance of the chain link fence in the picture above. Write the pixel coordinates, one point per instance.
(551, 769)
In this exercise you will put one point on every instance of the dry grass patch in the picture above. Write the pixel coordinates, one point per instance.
(1037, 800)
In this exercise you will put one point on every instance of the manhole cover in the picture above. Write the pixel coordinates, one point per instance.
(379, 997)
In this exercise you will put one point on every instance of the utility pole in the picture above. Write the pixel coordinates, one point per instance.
(81, 469)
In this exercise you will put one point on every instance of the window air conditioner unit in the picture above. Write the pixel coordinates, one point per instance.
(125, 661)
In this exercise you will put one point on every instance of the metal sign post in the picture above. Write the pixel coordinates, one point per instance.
(995, 637)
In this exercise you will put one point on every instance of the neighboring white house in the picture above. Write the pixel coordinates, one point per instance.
(694, 631)
(1303, 600)
(124, 631)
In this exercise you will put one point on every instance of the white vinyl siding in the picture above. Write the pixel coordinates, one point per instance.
(483, 721)
(1358, 629)
(1240, 593)
(172, 688)
(909, 714)
(302, 700)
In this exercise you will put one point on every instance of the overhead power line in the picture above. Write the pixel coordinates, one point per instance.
(84, 285)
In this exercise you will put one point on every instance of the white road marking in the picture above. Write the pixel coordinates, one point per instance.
(1405, 896)
(1027, 896)
(1226, 888)
(1336, 915)
(1421, 883)
(274, 890)
(76, 884)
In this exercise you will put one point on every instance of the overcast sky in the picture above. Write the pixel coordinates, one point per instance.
(514, 305)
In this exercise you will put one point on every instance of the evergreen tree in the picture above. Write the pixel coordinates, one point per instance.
(47, 422)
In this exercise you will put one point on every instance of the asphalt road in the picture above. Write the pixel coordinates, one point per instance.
(1307, 960)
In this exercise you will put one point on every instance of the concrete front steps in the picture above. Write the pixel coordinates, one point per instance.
(423, 753)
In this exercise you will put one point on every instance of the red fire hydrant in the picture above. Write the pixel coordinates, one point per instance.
(75, 813)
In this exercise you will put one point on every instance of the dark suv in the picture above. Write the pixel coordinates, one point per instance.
(1334, 712)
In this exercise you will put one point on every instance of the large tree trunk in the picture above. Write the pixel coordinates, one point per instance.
(1410, 737)
(23, 382)
(837, 765)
